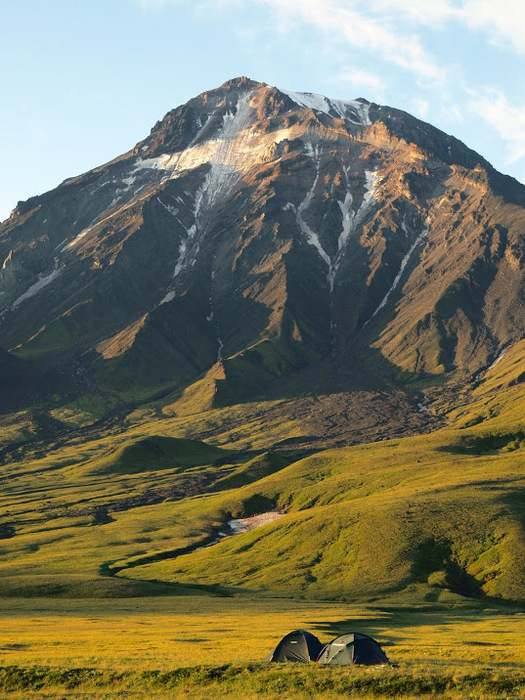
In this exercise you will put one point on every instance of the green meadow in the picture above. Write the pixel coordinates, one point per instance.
(198, 646)
(107, 587)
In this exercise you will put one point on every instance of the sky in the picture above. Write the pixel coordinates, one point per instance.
(82, 81)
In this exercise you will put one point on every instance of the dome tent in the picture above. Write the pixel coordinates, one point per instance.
(353, 648)
(299, 645)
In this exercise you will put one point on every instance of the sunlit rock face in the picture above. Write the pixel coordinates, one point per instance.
(273, 242)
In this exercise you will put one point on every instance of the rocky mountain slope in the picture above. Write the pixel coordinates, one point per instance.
(261, 242)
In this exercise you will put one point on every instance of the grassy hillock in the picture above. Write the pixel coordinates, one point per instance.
(257, 468)
(157, 452)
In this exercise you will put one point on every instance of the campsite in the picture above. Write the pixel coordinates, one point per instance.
(95, 604)
(198, 646)
(150, 626)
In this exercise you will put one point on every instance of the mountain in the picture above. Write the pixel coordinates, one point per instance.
(265, 243)
(185, 329)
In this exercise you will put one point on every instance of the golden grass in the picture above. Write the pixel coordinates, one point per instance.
(163, 633)
(145, 635)
(16, 428)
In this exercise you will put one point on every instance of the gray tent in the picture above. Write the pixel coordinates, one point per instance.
(353, 648)
(299, 645)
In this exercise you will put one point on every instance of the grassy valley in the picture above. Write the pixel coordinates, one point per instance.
(442, 511)
(417, 540)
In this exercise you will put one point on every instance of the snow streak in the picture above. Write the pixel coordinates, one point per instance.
(43, 281)
(404, 263)
(187, 254)
(171, 210)
(223, 174)
(219, 349)
(502, 353)
(212, 317)
(220, 179)
(311, 236)
(351, 219)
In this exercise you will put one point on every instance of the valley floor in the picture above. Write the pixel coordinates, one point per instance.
(108, 590)
(202, 646)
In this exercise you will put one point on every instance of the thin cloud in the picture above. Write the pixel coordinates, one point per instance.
(361, 78)
(372, 22)
(344, 21)
(434, 13)
(503, 21)
(509, 121)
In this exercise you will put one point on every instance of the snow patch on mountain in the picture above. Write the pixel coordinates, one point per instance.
(501, 355)
(43, 281)
(312, 237)
(351, 218)
(157, 163)
(220, 346)
(77, 238)
(128, 182)
(371, 179)
(220, 179)
(168, 207)
(348, 215)
(188, 254)
(350, 110)
(224, 173)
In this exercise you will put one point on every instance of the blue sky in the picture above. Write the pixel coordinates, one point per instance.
(84, 80)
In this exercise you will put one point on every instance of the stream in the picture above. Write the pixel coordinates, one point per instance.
(235, 526)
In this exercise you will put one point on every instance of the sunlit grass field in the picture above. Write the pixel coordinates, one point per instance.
(125, 642)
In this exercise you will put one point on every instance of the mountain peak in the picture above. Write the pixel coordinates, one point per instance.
(240, 83)
(276, 232)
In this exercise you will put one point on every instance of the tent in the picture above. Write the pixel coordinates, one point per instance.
(353, 648)
(299, 645)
